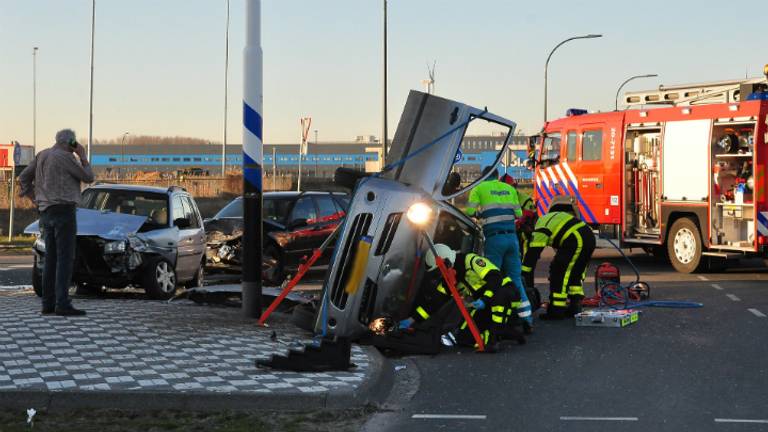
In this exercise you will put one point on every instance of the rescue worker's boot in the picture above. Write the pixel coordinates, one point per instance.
(574, 304)
(553, 314)
(527, 328)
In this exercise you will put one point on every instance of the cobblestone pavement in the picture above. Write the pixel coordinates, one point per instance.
(141, 345)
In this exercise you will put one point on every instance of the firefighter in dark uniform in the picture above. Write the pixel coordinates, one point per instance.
(495, 296)
(574, 242)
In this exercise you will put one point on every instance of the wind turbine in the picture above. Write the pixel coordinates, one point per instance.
(429, 84)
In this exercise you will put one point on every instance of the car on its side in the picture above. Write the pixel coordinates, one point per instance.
(295, 223)
(128, 235)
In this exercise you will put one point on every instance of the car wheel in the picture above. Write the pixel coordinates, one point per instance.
(37, 279)
(159, 279)
(199, 278)
(684, 246)
(273, 258)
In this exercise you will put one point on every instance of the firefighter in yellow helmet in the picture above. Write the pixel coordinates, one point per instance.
(574, 242)
(495, 297)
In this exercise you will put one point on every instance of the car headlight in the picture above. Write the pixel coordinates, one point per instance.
(39, 244)
(114, 247)
(419, 214)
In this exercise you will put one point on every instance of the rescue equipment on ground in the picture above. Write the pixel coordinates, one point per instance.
(607, 318)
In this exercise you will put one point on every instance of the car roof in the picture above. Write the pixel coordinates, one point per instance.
(127, 187)
(294, 194)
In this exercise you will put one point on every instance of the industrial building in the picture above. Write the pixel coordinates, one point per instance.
(321, 159)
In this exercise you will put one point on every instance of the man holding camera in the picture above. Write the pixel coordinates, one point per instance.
(53, 180)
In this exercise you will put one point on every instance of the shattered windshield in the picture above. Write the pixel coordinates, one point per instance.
(154, 206)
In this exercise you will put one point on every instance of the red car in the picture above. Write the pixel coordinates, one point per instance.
(295, 223)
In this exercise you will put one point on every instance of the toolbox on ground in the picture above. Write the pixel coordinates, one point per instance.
(607, 318)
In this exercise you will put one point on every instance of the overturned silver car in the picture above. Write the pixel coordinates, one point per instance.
(377, 267)
(127, 235)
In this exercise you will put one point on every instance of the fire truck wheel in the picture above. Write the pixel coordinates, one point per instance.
(684, 246)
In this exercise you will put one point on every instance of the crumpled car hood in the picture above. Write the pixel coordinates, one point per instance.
(104, 224)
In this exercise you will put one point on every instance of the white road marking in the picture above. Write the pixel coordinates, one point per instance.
(704, 278)
(721, 420)
(570, 418)
(733, 297)
(757, 313)
(717, 287)
(449, 416)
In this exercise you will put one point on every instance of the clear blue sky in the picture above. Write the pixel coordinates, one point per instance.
(159, 64)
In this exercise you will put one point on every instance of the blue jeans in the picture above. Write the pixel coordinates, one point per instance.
(58, 225)
(503, 250)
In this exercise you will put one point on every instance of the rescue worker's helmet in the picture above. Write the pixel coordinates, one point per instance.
(445, 252)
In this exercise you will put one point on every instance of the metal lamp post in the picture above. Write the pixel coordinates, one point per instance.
(253, 161)
(90, 104)
(546, 65)
(625, 83)
(34, 98)
(384, 134)
(226, 76)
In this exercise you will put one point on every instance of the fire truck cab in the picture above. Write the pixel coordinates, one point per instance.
(685, 181)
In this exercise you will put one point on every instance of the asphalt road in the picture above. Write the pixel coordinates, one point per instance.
(674, 370)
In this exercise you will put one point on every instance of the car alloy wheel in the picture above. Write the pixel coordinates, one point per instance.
(165, 277)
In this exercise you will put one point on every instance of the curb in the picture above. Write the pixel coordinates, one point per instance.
(374, 390)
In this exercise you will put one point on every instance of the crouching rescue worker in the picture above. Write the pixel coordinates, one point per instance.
(574, 243)
(495, 297)
(496, 205)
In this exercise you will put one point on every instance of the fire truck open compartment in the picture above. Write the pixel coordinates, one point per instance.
(642, 187)
(732, 205)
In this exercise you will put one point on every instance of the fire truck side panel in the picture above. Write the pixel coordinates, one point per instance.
(685, 161)
(761, 180)
(590, 156)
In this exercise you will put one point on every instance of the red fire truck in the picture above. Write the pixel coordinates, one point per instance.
(684, 180)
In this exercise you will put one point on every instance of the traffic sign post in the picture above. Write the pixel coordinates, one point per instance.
(16, 161)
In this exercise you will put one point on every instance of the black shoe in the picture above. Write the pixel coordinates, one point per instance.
(527, 328)
(70, 311)
(48, 310)
(552, 316)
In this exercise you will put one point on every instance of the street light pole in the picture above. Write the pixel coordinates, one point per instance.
(226, 76)
(546, 65)
(90, 108)
(34, 98)
(122, 155)
(625, 83)
(253, 160)
(384, 134)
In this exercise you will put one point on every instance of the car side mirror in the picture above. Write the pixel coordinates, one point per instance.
(297, 223)
(182, 223)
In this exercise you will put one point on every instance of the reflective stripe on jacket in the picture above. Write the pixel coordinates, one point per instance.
(496, 204)
(550, 230)
(471, 279)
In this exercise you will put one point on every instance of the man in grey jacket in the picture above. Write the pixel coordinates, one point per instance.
(53, 180)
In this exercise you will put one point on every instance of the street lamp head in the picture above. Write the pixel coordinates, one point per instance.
(591, 35)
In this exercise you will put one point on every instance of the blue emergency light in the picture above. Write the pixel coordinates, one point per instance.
(572, 112)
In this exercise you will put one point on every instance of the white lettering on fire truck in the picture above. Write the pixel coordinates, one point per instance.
(613, 144)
